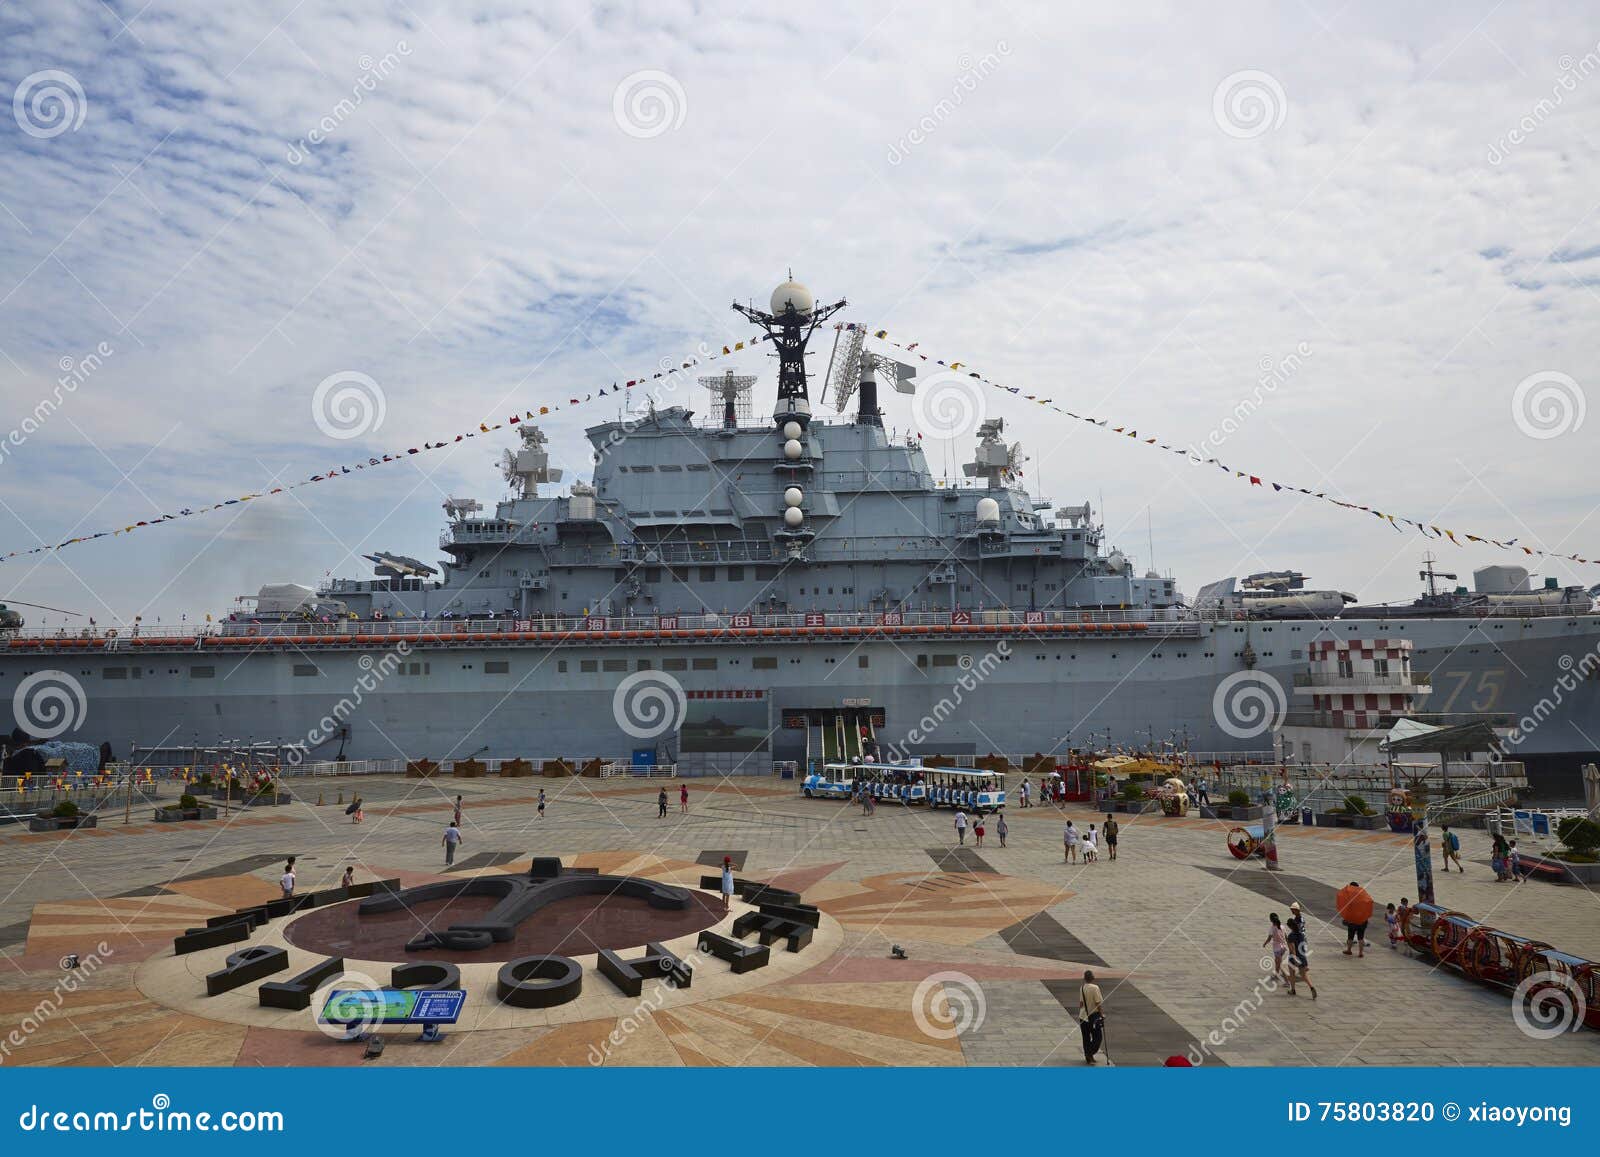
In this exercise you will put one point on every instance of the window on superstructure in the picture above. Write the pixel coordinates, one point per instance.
(1380, 666)
(704, 664)
(674, 664)
(306, 669)
(588, 666)
(736, 574)
(114, 673)
(202, 672)
(944, 660)
(614, 665)
(561, 666)
(1346, 669)
(764, 662)
(922, 660)
(708, 574)
(496, 667)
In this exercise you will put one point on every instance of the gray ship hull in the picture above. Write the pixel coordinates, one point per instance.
(1016, 694)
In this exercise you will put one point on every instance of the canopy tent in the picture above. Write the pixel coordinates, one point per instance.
(1462, 739)
(1407, 729)
(1408, 737)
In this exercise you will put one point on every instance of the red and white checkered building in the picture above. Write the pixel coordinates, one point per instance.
(1354, 682)
(1349, 687)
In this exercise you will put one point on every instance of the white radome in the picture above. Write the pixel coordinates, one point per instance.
(792, 430)
(794, 516)
(793, 496)
(792, 449)
(988, 510)
(792, 293)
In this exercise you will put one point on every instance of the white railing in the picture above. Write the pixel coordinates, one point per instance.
(601, 628)
(638, 770)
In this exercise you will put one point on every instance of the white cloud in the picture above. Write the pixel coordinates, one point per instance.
(478, 235)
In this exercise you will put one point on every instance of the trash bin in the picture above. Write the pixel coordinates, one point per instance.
(1305, 817)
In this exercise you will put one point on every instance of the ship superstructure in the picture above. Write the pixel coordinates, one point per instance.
(801, 586)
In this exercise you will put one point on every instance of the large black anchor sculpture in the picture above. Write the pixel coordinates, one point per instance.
(520, 897)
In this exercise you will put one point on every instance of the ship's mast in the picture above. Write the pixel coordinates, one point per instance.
(792, 320)
(1431, 576)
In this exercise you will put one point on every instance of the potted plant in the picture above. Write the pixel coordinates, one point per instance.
(1578, 858)
(65, 816)
(1356, 814)
(1134, 801)
(1240, 807)
(187, 808)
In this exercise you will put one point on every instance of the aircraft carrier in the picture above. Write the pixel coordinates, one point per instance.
(760, 588)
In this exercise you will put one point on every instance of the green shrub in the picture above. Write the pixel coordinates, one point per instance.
(1238, 797)
(1579, 834)
(187, 802)
(1356, 806)
(1132, 792)
(65, 810)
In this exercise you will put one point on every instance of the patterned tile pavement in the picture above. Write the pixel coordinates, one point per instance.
(996, 939)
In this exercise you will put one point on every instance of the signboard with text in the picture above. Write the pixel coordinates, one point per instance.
(374, 1006)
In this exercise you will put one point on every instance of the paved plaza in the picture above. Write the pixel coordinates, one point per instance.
(996, 939)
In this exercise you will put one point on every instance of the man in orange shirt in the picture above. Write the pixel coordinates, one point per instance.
(1355, 909)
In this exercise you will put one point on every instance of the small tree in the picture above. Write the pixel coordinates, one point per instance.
(65, 810)
(1356, 806)
(1238, 797)
(1579, 834)
(1133, 792)
(187, 802)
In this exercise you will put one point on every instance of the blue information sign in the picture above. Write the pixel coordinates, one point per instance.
(441, 1006)
(393, 1006)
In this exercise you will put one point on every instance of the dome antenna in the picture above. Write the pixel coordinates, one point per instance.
(794, 316)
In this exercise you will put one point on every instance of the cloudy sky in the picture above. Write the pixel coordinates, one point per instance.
(207, 209)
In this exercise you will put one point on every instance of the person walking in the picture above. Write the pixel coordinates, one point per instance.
(456, 819)
(286, 881)
(977, 830)
(1070, 836)
(727, 882)
(961, 826)
(661, 804)
(354, 810)
(1091, 846)
(452, 840)
(1279, 940)
(349, 876)
(1450, 845)
(541, 803)
(1514, 862)
(1203, 792)
(1024, 794)
(683, 798)
(1355, 909)
(1000, 828)
(1091, 1017)
(1111, 829)
(1299, 951)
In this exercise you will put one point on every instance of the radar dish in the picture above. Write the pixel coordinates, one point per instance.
(730, 395)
